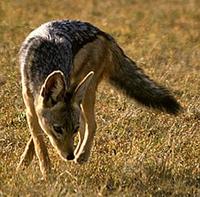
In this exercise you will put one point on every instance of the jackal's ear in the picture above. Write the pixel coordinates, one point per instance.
(81, 88)
(53, 88)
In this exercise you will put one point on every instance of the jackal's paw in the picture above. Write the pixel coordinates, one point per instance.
(82, 158)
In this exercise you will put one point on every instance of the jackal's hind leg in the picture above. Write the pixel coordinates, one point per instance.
(27, 155)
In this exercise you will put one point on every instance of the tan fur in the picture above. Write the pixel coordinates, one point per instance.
(95, 61)
(98, 57)
(36, 137)
(92, 57)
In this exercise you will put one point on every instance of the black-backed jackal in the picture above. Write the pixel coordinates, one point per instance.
(62, 63)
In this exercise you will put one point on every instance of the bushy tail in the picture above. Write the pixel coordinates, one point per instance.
(125, 75)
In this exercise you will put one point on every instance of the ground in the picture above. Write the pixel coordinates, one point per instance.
(137, 151)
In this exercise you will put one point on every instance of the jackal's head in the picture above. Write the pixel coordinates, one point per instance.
(59, 111)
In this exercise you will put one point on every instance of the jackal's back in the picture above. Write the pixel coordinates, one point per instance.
(53, 46)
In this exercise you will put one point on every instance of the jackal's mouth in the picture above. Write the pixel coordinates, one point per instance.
(67, 156)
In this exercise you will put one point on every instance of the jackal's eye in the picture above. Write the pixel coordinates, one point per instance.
(58, 129)
(76, 129)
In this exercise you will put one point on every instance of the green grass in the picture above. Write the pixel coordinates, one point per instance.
(137, 151)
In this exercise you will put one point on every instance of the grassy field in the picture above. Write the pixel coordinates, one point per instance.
(137, 151)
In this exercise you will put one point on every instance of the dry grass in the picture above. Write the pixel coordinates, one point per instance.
(137, 151)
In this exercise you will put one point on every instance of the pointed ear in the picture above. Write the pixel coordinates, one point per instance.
(53, 88)
(81, 88)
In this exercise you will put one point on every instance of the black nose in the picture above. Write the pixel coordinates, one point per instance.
(70, 156)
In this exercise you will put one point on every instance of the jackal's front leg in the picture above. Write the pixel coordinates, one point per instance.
(36, 143)
(40, 147)
(87, 130)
